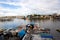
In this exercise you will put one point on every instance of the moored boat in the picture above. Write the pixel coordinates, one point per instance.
(58, 30)
(38, 34)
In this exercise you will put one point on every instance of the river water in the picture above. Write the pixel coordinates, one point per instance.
(53, 25)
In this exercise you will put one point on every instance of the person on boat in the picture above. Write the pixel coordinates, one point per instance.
(29, 31)
(31, 26)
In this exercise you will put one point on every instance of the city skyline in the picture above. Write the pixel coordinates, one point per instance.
(26, 7)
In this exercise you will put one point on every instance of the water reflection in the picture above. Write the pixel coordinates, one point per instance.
(12, 24)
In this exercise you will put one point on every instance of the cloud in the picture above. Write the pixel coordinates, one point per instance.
(25, 7)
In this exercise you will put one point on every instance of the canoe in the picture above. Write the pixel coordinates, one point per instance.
(58, 30)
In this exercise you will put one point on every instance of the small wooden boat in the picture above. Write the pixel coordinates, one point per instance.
(58, 30)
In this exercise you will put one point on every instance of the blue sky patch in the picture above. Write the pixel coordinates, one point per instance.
(14, 0)
(9, 6)
(9, 0)
(3, 0)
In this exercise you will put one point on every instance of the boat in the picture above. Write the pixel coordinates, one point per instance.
(58, 30)
(38, 34)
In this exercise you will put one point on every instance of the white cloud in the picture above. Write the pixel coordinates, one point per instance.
(31, 6)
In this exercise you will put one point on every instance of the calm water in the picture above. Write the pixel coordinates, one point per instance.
(12, 24)
(53, 25)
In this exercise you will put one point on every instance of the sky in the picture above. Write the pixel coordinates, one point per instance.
(27, 7)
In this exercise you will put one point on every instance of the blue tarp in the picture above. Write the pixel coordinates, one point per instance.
(21, 33)
(46, 35)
